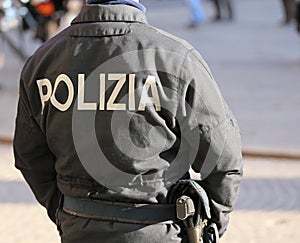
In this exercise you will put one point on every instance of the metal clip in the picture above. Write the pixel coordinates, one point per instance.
(184, 207)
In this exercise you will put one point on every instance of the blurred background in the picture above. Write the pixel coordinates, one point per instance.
(253, 50)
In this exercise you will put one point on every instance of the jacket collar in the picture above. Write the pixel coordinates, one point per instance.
(133, 3)
(109, 13)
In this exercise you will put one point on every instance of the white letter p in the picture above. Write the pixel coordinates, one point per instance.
(44, 97)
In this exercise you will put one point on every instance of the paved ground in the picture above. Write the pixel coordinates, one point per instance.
(256, 63)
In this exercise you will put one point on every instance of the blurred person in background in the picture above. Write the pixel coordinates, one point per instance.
(47, 14)
(1, 13)
(72, 10)
(1, 54)
(289, 7)
(298, 15)
(223, 9)
(197, 15)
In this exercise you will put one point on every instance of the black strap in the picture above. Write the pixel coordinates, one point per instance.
(120, 212)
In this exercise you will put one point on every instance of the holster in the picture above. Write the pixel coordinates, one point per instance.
(197, 223)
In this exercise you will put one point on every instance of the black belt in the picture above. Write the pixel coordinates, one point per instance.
(120, 212)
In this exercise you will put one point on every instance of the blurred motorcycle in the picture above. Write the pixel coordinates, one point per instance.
(40, 17)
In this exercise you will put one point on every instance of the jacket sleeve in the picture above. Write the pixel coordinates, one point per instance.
(33, 157)
(218, 153)
(222, 183)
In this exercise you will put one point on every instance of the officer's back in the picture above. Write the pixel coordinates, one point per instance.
(105, 105)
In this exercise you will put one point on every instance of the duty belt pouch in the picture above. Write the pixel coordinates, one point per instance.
(183, 189)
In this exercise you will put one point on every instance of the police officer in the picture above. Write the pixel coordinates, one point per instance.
(112, 113)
